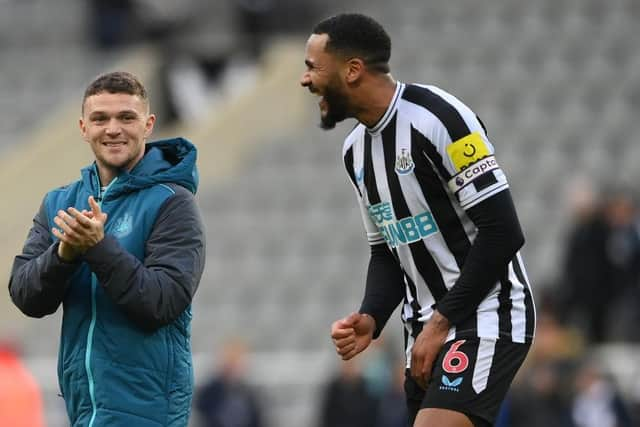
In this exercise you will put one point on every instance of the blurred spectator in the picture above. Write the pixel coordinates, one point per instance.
(254, 18)
(377, 367)
(392, 406)
(634, 398)
(622, 250)
(346, 400)
(540, 399)
(602, 264)
(111, 22)
(258, 20)
(199, 42)
(20, 398)
(541, 393)
(597, 402)
(196, 45)
(555, 341)
(584, 294)
(227, 400)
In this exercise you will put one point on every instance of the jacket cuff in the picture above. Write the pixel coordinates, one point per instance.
(103, 253)
(55, 264)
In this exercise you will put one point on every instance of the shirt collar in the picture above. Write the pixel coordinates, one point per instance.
(386, 117)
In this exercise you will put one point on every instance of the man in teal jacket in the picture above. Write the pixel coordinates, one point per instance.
(122, 249)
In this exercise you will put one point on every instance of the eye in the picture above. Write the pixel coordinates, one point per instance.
(309, 64)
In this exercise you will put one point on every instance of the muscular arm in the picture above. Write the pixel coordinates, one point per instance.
(39, 278)
(385, 286)
(498, 240)
(154, 293)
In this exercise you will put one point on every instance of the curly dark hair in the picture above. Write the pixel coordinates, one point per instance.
(116, 82)
(357, 35)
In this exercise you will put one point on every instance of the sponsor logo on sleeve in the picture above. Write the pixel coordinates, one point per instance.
(472, 172)
(468, 150)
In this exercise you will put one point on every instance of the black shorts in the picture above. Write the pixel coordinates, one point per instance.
(470, 376)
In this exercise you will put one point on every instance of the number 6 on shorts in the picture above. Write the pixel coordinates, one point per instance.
(455, 361)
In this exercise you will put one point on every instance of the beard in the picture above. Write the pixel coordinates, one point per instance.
(337, 107)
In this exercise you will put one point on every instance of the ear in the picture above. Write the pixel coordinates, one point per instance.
(83, 128)
(148, 127)
(355, 69)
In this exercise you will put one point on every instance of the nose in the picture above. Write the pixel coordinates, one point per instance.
(113, 128)
(305, 80)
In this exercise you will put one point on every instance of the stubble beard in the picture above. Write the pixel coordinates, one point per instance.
(116, 166)
(337, 108)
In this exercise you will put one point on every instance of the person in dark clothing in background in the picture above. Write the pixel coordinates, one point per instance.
(346, 400)
(227, 400)
(601, 270)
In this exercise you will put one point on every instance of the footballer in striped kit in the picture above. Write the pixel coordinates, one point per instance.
(441, 224)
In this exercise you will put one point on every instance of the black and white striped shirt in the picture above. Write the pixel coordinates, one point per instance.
(416, 173)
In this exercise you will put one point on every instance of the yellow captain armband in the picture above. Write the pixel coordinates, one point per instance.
(467, 151)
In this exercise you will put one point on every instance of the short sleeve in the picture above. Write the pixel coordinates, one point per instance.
(457, 144)
(374, 236)
(355, 171)
(475, 172)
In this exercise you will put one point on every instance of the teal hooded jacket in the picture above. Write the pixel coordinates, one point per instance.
(125, 352)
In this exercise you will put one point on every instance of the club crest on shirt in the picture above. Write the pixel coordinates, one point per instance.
(404, 162)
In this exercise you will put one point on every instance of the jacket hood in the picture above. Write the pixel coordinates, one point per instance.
(166, 161)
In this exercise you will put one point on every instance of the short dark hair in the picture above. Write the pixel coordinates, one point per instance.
(354, 34)
(116, 82)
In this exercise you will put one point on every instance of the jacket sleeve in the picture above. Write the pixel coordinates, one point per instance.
(39, 278)
(155, 292)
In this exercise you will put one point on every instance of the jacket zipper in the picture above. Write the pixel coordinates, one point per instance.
(92, 325)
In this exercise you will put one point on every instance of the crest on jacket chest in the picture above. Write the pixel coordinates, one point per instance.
(123, 226)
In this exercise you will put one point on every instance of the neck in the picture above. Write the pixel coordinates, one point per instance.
(106, 175)
(375, 99)
(109, 173)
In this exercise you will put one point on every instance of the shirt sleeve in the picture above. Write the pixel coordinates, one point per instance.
(458, 147)
(39, 278)
(374, 237)
(498, 240)
(155, 292)
(475, 173)
(356, 175)
(462, 154)
(384, 288)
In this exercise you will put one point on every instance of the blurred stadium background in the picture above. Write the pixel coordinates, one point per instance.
(556, 81)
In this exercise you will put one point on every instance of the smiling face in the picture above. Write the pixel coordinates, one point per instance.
(323, 77)
(116, 125)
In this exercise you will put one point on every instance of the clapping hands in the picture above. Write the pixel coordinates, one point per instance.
(79, 230)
